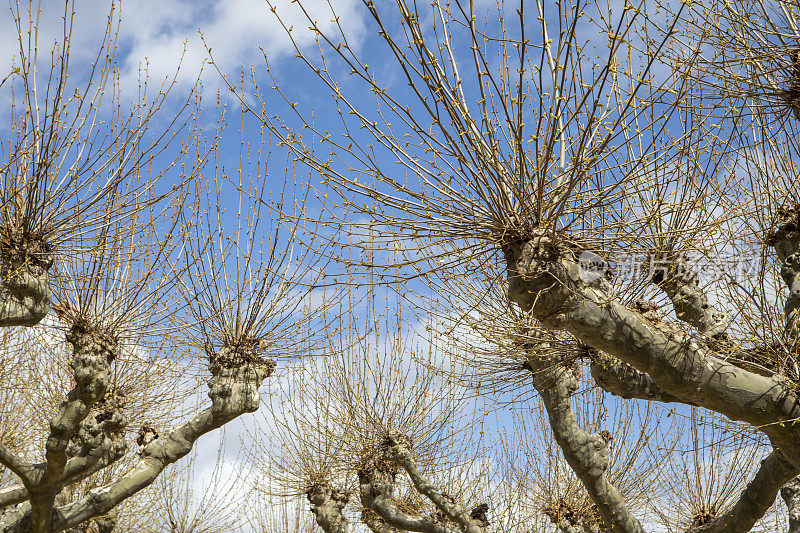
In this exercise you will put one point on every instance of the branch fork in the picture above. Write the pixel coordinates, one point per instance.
(377, 478)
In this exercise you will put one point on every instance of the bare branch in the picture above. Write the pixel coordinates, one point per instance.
(544, 279)
(377, 490)
(9, 459)
(791, 495)
(93, 354)
(236, 375)
(399, 452)
(12, 495)
(586, 453)
(785, 238)
(756, 498)
(623, 380)
(110, 449)
(679, 282)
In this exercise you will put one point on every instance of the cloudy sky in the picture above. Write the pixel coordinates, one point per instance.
(154, 37)
(156, 33)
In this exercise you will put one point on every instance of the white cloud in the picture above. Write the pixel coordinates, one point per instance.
(155, 34)
(159, 32)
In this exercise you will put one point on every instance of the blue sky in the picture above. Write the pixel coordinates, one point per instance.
(154, 34)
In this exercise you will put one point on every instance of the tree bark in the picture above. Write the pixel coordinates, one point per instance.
(623, 380)
(375, 523)
(233, 391)
(691, 305)
(93, 353)
(376, 487)
(791, 495)
(544, 279)
(25, 288)
(785, 239)
(586, 453)
(474, 522)
(326, 505)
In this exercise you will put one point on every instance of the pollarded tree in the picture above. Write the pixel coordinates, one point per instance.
(342, 431)
(562, 178)
(377, 433)
(119, 276)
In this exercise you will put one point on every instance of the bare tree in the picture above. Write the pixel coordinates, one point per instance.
(557, 178)
(358, 433)
(120, 279)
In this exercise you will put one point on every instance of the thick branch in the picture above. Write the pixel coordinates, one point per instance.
(544, 278)
(586, 453)
(756, 498)
(234, 391)
(326, 505)
(158, 455)
(93, 353)
(12, 515)
(467, 522)
(12, 495)
(77, 469)
(791, 495)
(786, 241)
(81, 467)
(100, 445)
(100, 524)
(375, 523)
(679, 282)
(378, 498)
(376, 488)
(25, 290)
(9, 459)
(623, 380)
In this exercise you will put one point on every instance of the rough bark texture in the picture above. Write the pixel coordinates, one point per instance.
(791, 495)
(25, 289)
(786, 241)
(91, 366)
(679, 282)
(12, 495)
(98, 444)
(377, 478)
(236, 375)
(375, 523)
(376, 488)
(623, 380)
(586, 453)
(326, 505)
(474, 522)
(544, 278)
